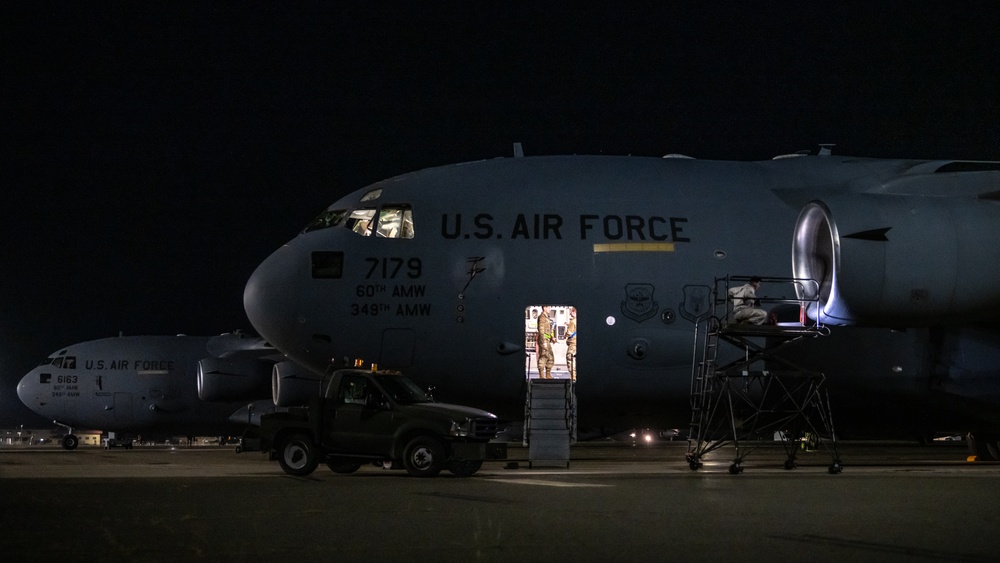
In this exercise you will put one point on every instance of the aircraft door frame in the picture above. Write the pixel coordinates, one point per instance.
(560, 317)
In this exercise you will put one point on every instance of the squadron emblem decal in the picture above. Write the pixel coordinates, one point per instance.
(639, 304)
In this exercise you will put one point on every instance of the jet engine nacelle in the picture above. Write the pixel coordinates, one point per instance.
(883, 260)
(293, 385)
(233, 379)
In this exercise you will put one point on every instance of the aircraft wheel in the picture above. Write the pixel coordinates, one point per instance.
(70, 442)
(984, 446)
(297, 455)
(993, 448)
(990, 447)
(423, 457)
(465, 468)
(343, 467)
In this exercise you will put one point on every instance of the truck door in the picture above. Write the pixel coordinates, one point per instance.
(361, 422)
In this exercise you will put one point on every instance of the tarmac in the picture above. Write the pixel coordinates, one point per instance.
(611, 502)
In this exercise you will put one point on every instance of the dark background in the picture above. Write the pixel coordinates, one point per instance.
(154, 153)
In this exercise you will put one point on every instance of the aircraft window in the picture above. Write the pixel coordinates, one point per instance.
(329, 218)
(46, 362)
(402, 390)
(395, 221)
(372, 195)
(327, 264)
(360, 221)
(68, 362)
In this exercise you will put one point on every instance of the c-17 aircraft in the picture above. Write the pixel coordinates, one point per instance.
(438, 273)
(174, 385)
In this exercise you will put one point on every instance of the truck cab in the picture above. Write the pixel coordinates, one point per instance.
(380, 417)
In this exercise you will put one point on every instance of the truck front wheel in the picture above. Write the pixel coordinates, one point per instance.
(297, 455)
(423, 456)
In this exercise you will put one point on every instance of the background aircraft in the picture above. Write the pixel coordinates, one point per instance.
(187, 385)
(437, 273)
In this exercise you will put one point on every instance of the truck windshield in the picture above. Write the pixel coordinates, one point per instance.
(402, 390)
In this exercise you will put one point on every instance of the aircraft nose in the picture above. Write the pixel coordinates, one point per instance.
(27, 390)
(271, 297)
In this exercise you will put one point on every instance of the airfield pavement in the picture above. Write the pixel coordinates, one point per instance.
(614, 502)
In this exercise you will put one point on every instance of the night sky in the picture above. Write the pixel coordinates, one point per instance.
(155, 152)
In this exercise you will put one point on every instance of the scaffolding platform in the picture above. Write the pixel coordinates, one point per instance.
(744, 393)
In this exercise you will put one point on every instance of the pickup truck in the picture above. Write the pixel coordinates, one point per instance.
(380, 418)
(118, 443)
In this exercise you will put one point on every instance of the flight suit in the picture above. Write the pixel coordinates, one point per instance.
(546, 359)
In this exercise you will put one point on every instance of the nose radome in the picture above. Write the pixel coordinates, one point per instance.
(271, 297)
(27, 390)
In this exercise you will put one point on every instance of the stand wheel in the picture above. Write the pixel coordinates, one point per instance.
(736, 468)
(694, 464)
(790, 464)
(835, 468)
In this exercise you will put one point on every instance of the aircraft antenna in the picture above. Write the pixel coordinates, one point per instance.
(518, 150)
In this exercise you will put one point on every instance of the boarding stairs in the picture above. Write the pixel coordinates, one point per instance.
(549, 421)
(744, 394)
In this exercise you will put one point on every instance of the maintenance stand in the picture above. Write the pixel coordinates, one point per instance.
(738, 398)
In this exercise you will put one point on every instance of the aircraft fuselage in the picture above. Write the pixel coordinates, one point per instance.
(131, 384)
(447, 297)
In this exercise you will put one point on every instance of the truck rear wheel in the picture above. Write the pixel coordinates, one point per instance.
(297, 455)
(423, 457)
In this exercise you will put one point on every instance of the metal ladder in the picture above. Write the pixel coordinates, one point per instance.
(701, 388)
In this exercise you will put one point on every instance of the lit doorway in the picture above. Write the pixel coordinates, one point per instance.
(561, 339)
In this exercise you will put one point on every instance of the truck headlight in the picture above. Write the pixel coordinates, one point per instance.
(463, 428)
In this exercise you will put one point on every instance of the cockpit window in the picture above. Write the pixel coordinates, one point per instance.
(360, 221)
(395, 221)
(372, 195)
(329, 218)
(68, 362)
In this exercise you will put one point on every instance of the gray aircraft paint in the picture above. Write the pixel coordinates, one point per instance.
(628, 241)
(137, 384)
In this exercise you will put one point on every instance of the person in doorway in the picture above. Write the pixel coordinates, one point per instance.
(546, 359)
(745, 304)
(571, 344)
